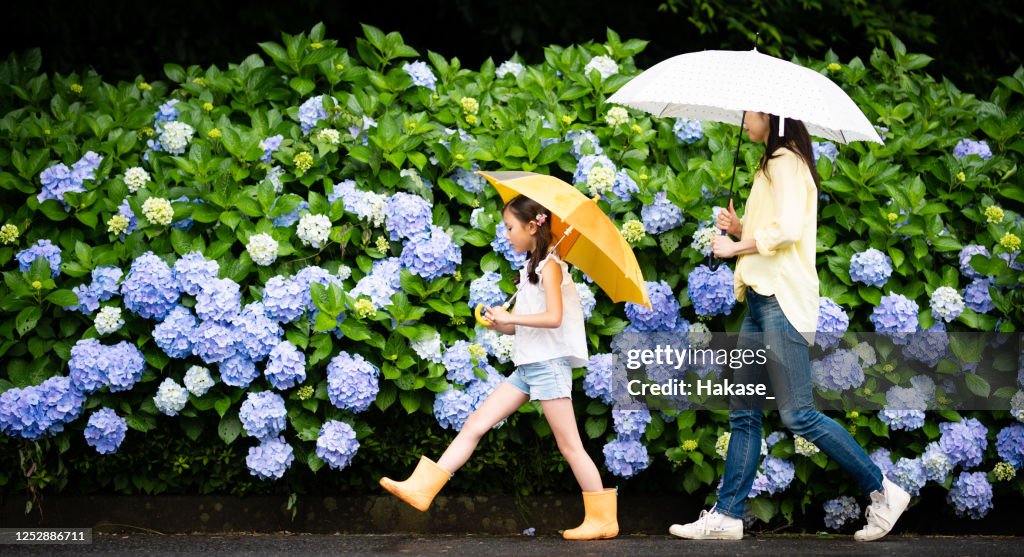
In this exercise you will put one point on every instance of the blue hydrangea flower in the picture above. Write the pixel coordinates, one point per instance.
(283, 299)
(964, 442)
(936, 464)
(377, 285)
(286, 366)
(193, 270)
(501, 245)
(587, 163)
(270, 459)
(408, 215)
(832, 323)
(105, 431)
(219, 300)
(661, 215)
(625, 458)
(895, 315)
(928, 346)
(663, 314)
(42, 248)
(58, 180)
(431, 256)
(150, 290)
(840, 510)
(420, 74)
(39, 410)
(977, 296)
(826, 149)
(256, 333)
(587, 300)
(1012, 261)
(174, 334)
(290, 218)
(909, 474)
(838, 371)
(88, 302)
(125, 210)
(597, 383)
(479, 389)
(1010, 445)
(166, 112)
(872, 267)
(305, 279)
(965, 256)
(631, 423)
(584, 142)
(883, 460)
(469, 180)
(337, 444)
(485, 290)
(105, 284)
(687, 131)
(624, 187)
(213, 342)
(904, 408)
(312, 112)
(452, 407)
(775, 476)
(970, 147)
(270, 145)
(347, 192)
(774, 437)
(711, 291)
(263, 414)
(352, 382)
(237, 370)
(459, 363)
(971, 495)
(88, 365)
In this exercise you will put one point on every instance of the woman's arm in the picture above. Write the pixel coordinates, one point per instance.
(788, 182)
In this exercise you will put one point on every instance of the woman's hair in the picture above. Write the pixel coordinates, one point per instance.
(525, 209)
(796, 139)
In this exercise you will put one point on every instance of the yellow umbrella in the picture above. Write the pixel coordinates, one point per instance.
(586, 237)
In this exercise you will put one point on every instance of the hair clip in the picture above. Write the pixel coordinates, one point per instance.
(541, 219)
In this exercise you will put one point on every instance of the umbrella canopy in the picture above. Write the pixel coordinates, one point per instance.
(720, 85)
(594, 245)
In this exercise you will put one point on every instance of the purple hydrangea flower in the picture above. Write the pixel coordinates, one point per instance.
(965, 256)
(598, 381)
(256, 333)
(883, 460)
(166, 112)
(431, 256)
(263, 414)
(452, 407)
(826, 149)
(193, 270)
(150, 290)
(872, 267)
(237, 370)
(928, 346)
(219, 300)
(485, 290)
(775, 476)
(936, 464)
(587, 163)
(174, 334)
(286, 366)
(840, 510)
(105, 431)
(661, 215)
(352, 382)
(909, 474)
(311, 112)
(711, 291)
(337, 444)
(39, 410)
(1010, 444)
(838, 371)
(469, 180)
(408, 215)
(125, 210)
(904, 408)
(964, 442)
(832, 323)
(584, 142)
(459, 363)
(663, 314)
(977, 296)
(270, 145)
(687, 131)
(631, 423)
(283, 299)
(270, 459)
(970, 147)
(896, 315)
(625, 458)
(971, 495)
(624, 187)
(42, 248)
(213, 342)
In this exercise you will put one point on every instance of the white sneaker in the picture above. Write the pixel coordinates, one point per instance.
(712, 525)
(886, 507)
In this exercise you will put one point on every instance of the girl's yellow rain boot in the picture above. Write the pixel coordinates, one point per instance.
(601, 518)
(419, 490)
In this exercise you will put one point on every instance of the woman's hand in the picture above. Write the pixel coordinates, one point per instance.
(498, 316)
(723, 246)
(729, 221)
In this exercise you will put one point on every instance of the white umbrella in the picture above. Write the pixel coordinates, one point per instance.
(720, 85)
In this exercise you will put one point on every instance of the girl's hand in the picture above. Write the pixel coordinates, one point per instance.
(498, 316)
(729, 221)
(723, 247)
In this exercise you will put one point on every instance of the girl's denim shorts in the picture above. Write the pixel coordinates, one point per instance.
(544, 380)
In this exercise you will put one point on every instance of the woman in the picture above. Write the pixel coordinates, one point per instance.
(775, 274)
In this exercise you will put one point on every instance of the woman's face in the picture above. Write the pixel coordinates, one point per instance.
(757, 126)
(520, 235)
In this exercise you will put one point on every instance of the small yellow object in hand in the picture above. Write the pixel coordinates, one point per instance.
(478, 314)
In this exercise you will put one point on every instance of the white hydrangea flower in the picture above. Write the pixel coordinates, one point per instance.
(603, 64)
(274, 175)
(176, 136)
(699, 335)
(947, 304)
(330, 136)
(866, 353)
(474, 217)
(170, 397)
(8, 233)
(158, 210)
(371, 208)
(503, 348)
(509, 67)
(262, 249)
(1017, 406)
(198, 380)
(135, 178)
(344, 272)
(117, 224)
(616, 115)
(805, 447)
(314, 229)
(633, 231)
(600, 179)
(108, 320)
(722, 445)
(430, 349)
(702, 240)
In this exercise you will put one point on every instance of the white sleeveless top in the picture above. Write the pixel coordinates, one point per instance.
(536, 344)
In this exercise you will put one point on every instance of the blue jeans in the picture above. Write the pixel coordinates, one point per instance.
(788, 369)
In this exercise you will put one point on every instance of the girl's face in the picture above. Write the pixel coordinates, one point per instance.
(757, 126)
(521, 235)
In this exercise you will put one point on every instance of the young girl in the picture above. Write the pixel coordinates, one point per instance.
(547, 321)
(775, 271)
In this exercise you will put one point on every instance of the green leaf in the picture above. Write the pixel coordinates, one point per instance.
(977, 385)
(302, 85)
(27, 319)
(596, 426)
(410, 400)
(63, 298)
(229, 428)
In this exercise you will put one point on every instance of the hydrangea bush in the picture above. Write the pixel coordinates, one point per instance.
(291, 247)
